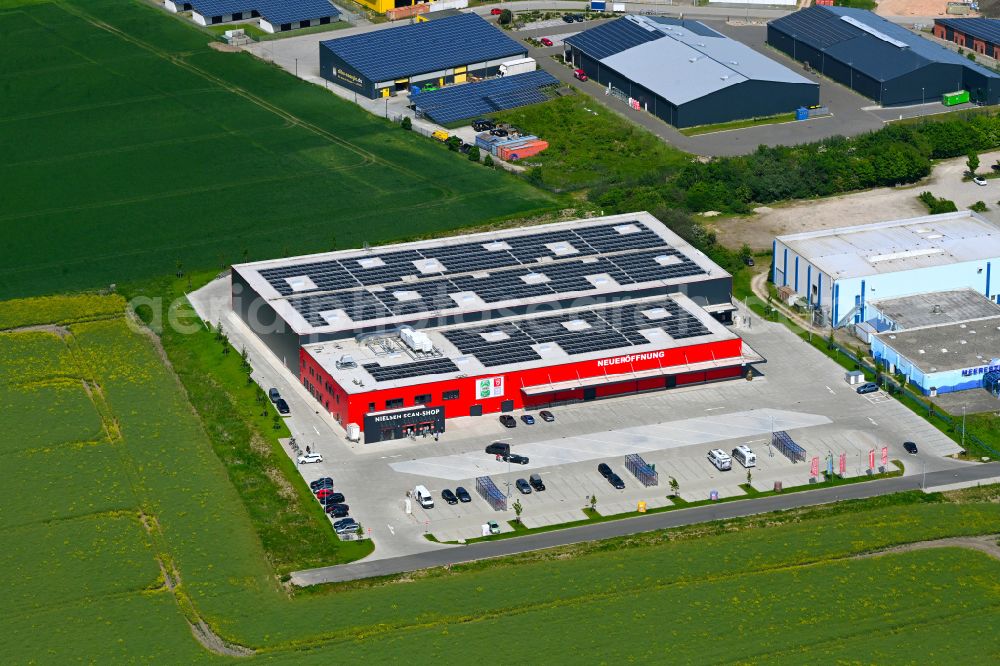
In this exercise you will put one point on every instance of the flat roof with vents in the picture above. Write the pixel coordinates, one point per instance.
(898, 245)
(482, 276)
(949, 346)
(936, 307)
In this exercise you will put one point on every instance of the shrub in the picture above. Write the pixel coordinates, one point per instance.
(979, 207)
(488, 160)
(474, 153)
(406, 123)
(936, 205)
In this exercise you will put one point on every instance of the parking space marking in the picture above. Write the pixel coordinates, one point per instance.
(832, 392)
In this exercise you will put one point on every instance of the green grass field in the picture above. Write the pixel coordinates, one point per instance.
(589, 145)
(86, 577)
(127, 146)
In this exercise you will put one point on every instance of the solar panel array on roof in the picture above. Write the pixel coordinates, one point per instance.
(388, 373)
(397, 53)
(404, 282)
(276, 12)
(875, 51)
(470, 100)
(619, 327)
(610, 38)
(985, 29)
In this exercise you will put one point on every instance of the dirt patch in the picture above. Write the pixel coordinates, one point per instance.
(984, 544)
(61, 331)
(224, 48)
(915, 8)
(212, 642)
(884, 203)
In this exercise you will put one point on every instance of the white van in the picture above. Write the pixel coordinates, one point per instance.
(719, 458)
(423, 496)
(745, 456)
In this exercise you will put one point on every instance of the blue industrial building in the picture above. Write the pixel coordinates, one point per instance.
(944, 358)
(455, 49)
(877, 58)
(274, 15)
(838, 272)
(686, 73)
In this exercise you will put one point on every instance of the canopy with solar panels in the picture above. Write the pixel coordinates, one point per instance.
(450, 105)
(275, 15)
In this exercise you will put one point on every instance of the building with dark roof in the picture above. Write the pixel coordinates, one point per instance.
(274, 15)
(877, 58)
(981, 35)
(450, 50)
(685, 73)
(400, 338)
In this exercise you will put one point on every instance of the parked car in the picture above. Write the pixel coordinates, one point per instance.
(463, 495)
(498, 449)
(282, 407)
(324, 492)
(523, 486)
(748, 260)
(495, 12)
(616, 482)
(868, 387)
(274, 395)
(345, 526)
(465, 148)
(536, 482)
(498, 131)
(604, 470)
(579, 75)
(449, 496)
(319, 484)
(516, 459)
(528, 419)
(332, 498)
(337, 510)
(578, 18)
(546, 416)
(508, 421)
(546, 41)
(483, 124)
(568, 18)
(307, 458)
(494, 527)
(979, 180)
(910, 447)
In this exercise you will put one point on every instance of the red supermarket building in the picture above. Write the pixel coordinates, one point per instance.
(400, 339)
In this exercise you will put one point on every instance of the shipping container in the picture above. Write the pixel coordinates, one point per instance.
(953, 98)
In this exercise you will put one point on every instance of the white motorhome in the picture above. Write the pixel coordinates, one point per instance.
(720, 459)
(745, 456)
(423, 497)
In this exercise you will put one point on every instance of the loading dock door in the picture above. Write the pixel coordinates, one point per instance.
(476, 410)
(589, 393)
(507, 406)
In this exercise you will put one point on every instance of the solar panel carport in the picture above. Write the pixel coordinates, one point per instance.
(450, 50)
(686, 73)
(877, 58)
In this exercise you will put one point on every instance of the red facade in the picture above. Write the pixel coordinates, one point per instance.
(351, 408)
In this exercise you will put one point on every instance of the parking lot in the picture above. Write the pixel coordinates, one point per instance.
(800, 389)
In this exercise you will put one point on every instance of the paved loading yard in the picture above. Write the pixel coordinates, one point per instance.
(798, 382)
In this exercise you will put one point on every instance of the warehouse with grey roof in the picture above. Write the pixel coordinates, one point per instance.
(686, 73)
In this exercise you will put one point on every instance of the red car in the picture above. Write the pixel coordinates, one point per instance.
(546, 41)
(580, 74)
(324, 492)
(495, 12)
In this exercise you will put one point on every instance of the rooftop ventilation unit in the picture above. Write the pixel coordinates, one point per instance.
(346, 361)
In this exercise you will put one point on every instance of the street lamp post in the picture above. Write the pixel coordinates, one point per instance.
(296, 68)
(963, 427)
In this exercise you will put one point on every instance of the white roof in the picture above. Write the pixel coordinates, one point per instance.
(898, 245)
(388, 351)
(684, 65)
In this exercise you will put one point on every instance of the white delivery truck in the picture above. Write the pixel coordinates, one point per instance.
(353, 432)
(423, 497)
(519, 66)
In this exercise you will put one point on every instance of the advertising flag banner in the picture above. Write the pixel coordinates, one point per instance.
(843, 463)
(885, 456)
(829, 465)
(871, 459)
(814, 468)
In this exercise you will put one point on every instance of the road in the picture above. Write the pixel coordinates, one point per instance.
(625, 527)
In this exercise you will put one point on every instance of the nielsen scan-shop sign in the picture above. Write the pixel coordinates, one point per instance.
(409, 415)
(994, 366)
